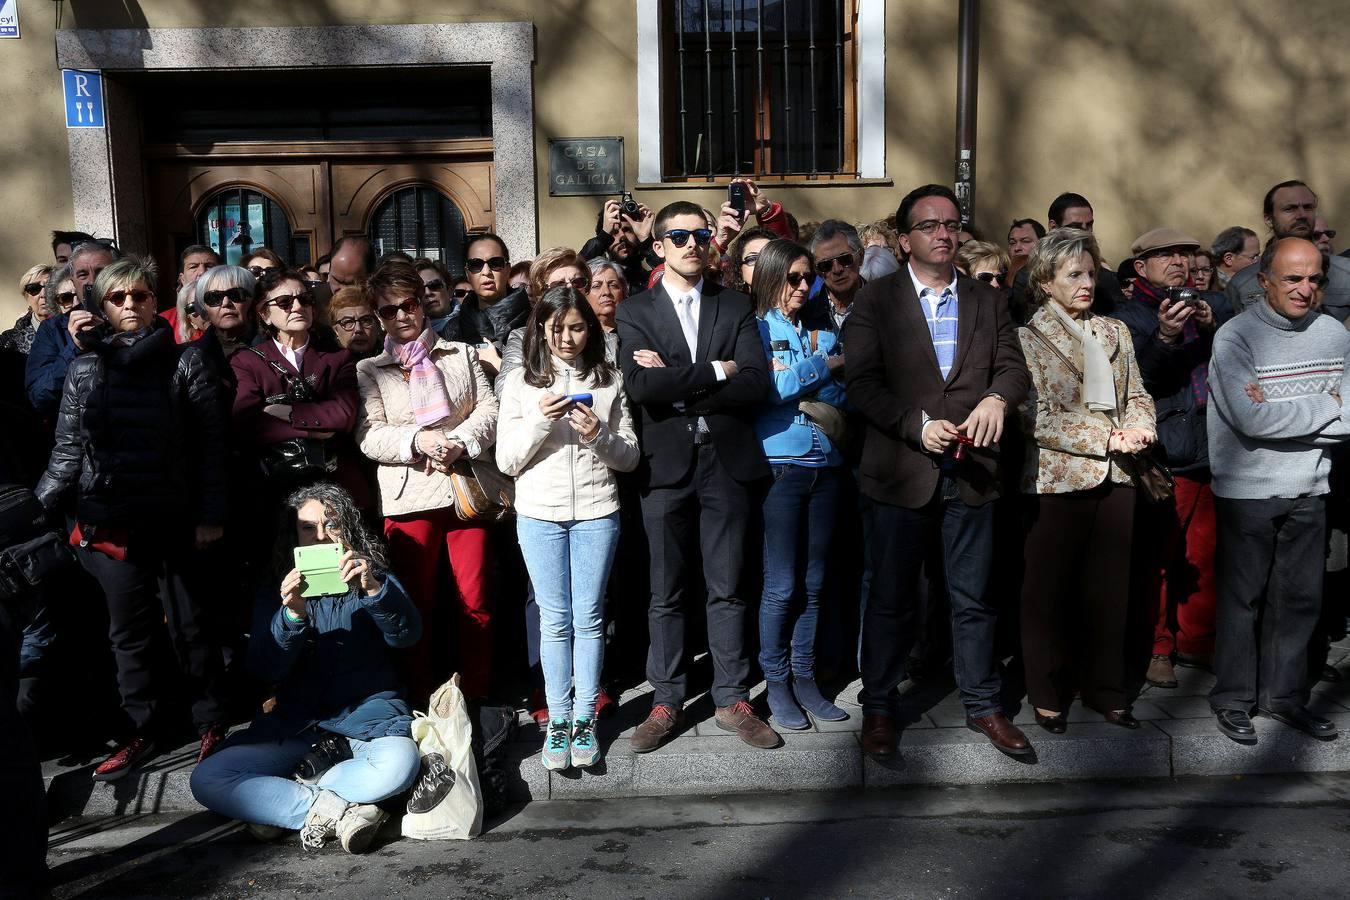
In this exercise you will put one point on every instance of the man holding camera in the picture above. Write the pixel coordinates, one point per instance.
(624, 235)
(1172, 326)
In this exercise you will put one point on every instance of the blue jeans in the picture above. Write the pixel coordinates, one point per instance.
(901, 539)
(569, 565)
(253, 782)
(798, 524)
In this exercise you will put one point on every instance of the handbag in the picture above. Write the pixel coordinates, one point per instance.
(829, 419)
(1147, 468)
(480, 492)
(446, 802)
(294, 457)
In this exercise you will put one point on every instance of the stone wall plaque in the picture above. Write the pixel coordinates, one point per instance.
(585, 166)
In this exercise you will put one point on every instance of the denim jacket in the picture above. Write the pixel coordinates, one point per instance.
(781, 427)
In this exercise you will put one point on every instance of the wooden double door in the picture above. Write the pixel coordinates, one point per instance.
(417, 196)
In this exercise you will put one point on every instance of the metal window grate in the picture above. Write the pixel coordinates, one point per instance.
(763, 88)
(422, 222)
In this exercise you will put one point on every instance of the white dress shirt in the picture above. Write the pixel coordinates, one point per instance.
(295, 357)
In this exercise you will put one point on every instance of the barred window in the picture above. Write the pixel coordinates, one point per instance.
(758, 87)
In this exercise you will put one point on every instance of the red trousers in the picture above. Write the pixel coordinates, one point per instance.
(415, 542)
(1183, 571)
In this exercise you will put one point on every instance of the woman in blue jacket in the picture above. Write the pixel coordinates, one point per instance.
(799, 428)
(338, 702)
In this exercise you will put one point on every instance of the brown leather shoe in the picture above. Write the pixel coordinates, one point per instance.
(662, 722)
(878, 735)
(1002, 733)
(1160, 671)
(740, 718)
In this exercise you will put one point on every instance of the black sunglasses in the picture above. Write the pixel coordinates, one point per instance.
(580, 283)
(795, 279)
(313, 283)
(435, 284)
(234, 295)
(66, 298)
(284, 302)
(475, 265)
(391, 311)
(988, 277)
(32, 288)
(260, 271)
(680, 236)
(460, 293)
(826, 266)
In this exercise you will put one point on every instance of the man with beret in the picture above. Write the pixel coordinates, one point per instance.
(1173, 337)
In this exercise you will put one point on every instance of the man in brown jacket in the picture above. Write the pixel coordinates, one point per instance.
(934, 365)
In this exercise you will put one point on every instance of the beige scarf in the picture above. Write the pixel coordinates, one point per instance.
(1099, 382)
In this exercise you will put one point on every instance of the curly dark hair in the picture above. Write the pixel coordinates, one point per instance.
(345, 518)
(736, 255)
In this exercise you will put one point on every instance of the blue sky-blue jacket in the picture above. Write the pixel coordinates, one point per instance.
(782, 429)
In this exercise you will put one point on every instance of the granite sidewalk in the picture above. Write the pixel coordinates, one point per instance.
(1177, 738)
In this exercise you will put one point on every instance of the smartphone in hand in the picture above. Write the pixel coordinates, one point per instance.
(736, 197)
(587, 400)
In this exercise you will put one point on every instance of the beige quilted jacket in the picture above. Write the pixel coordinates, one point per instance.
(1066, 444)
(385, 426)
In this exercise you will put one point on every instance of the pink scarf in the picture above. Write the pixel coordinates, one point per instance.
(426, 386)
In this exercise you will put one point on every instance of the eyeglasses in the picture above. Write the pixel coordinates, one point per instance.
(1204, 270)
(66, 299)
(435, 284)
(844, 261)
(680, 236)
(117, 298)
(749, 259)
(475, 265)
(460, 293)
(284, 302)
(390, 311)
(988, 277)
(795, 279)
(581, 283)
(215, 298)
(313, 283)
(32, 288)
(260, 271)
(350, 323)
(930, 226)
(1328, 233)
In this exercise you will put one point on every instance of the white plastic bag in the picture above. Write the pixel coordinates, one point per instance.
(446, 802)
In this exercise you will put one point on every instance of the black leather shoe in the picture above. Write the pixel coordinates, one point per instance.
(1122, 717)
(1236, 724)
(1056, 724)
(1306, 722)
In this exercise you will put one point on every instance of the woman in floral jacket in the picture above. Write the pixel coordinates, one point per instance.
(1086, 410)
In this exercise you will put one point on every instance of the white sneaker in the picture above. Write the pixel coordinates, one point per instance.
(557, 745)
(585, 748)
(321, 821)
(359, 825)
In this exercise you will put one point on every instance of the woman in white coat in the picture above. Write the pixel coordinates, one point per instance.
(565, 429)
(426, 402)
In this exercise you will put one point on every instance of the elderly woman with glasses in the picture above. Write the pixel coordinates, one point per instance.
(295, 401)
(32, 287)
(139, 466)
(358, 328)
(985, 261)
(425, 404)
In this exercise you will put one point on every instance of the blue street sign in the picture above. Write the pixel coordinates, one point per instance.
(9, 19)
(84, 98)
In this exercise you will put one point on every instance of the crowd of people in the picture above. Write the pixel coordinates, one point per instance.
(821, 450)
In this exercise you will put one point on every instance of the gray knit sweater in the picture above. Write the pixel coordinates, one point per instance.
(1278, 448)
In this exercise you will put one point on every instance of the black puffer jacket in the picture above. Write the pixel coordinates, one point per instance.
(476, 324)
(140, 435)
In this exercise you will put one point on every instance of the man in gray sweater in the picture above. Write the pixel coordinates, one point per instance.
(1276, 379)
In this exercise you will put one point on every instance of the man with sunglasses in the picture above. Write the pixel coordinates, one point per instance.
(695, 370)
(836, 252)
(58, 339)
(934, 365)
(487, 317)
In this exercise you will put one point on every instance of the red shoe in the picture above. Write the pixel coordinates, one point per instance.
(211, 740)
(538, 708)
(604, 704)
(124, 760)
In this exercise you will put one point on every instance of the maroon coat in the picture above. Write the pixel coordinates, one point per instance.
(332, 375)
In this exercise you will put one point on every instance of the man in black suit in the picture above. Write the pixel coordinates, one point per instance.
(695, 369)
(934, 365)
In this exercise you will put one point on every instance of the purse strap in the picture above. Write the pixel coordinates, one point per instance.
(1040, 335)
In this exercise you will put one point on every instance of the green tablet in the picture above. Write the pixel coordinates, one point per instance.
(318, 564)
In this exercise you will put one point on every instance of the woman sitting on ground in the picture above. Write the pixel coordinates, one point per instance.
(337, 696)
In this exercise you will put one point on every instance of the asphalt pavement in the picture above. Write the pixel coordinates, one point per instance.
(1217, 837)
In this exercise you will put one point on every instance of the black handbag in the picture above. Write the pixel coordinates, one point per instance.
(294, 458)
(29, 549)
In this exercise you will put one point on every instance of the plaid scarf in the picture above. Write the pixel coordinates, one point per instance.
(1148, 294)
(426, 386)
